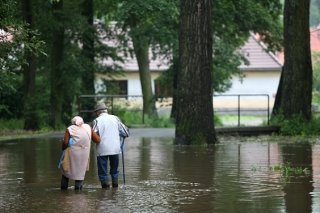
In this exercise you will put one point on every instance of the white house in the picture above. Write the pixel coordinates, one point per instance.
(261, 80)
(261, 77)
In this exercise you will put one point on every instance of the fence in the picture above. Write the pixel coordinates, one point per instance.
(238, 108)
(112, 100)
(134, 103)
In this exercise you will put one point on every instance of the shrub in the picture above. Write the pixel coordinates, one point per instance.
(297, 125)
(12, 124)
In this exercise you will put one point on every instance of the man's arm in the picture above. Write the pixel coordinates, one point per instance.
(95, 126)
(123, 129)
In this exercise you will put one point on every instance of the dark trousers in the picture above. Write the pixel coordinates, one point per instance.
(65, 182)
(102, 162)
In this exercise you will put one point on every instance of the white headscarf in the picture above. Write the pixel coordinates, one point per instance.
(77, 121)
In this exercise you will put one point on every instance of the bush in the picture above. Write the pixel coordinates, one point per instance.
(134, 117)
(297, 125)
(130, 117)
(217, 120)
(12, 124)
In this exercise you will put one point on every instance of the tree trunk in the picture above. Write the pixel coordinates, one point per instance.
(175, 68)
(194, 123)
(297, 71)
(142, 55)
(56, 96)
(277, 103)
(141, 50)
(29, 75)
(88, 53)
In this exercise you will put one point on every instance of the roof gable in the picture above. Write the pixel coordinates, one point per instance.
(130, 62)
(254, 50)
(259, 59)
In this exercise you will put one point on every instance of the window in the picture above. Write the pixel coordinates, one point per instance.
(162, 90)
(117, 87)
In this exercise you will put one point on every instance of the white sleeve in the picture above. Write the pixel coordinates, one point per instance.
(123, 129)
(95, 126)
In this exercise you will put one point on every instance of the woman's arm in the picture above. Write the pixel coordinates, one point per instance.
(65, 140)
(95, 137)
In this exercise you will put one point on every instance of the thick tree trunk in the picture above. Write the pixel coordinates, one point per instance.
(141, 50)
(56, 96)
(29, 75)
(194, 123)
(277, 103)
(297, 71)
(142, 55)
(88, 53)
(175, 68)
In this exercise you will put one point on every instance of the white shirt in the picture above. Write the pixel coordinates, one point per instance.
(108, 127)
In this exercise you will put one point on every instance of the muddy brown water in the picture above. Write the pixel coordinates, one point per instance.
(160, 177)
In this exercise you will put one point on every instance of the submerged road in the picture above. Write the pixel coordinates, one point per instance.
(134, 132)
(170, 132)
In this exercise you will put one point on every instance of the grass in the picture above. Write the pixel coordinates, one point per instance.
(286, 171)
(13, 128)
(232, 120)
(243, 117)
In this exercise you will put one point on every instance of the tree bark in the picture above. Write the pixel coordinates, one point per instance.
(56, 96)
(194, 123)
(297, 71)
(277, 103)
(175, 68)
(141, 50)
(29, 74)
(88, 53)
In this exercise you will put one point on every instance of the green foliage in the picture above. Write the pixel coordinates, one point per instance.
(199, 139)
(316, 71)
(217, 120)
(11, 105)
(15, 126)
(226, 64)
(13, 35)
(154, 21)
(297, 125)
(11, 124)
(314, 13)
(158, 22)
(287, 170)
(254, 168)
(133, 117)
(159, 121)
(239, 17)
(232, 23)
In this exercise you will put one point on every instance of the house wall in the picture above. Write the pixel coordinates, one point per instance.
(255, 83)
(134, 86)
(259, 85)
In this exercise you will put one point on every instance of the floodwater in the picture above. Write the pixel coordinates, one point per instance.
(229, 177)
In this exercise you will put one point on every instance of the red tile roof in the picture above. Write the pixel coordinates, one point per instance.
(314, 43)
(315, 39)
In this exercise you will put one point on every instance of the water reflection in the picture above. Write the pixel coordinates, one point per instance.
(228, 177)
(298, 191)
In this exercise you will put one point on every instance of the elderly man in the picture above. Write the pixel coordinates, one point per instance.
(108, 127)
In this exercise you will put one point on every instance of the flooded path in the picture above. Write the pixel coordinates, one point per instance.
(229, 177)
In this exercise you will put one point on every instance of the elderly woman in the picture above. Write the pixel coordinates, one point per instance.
(77, 157)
